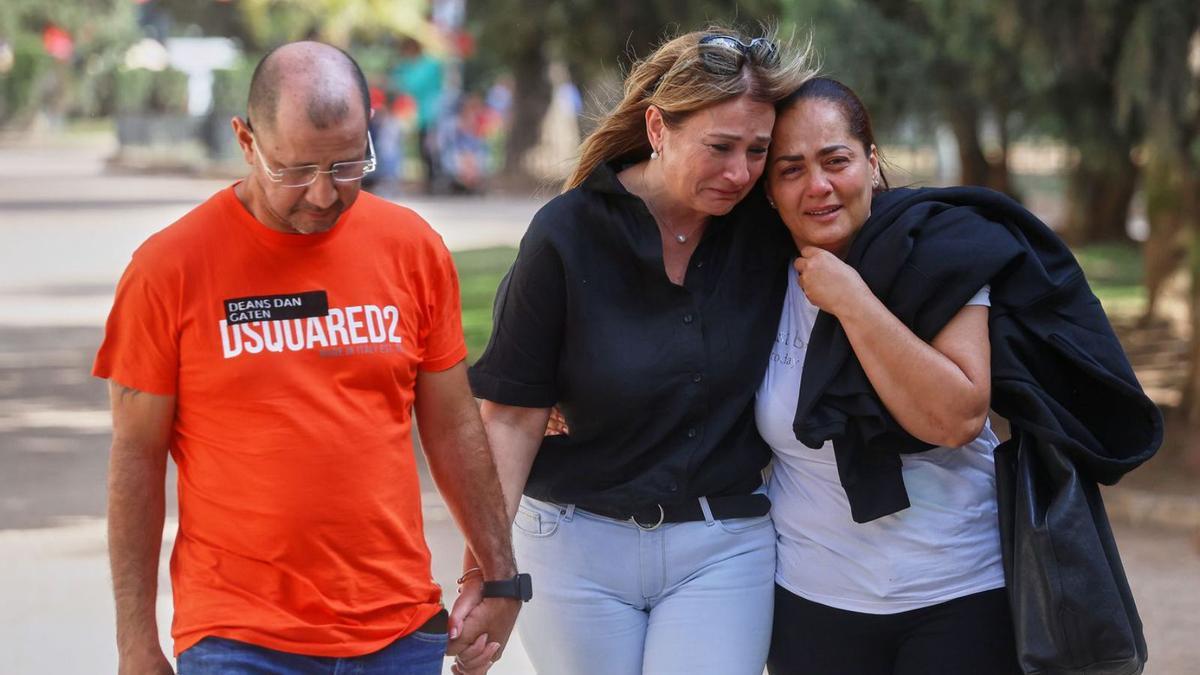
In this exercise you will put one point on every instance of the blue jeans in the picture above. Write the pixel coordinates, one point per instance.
(613, 599)
(415, 654)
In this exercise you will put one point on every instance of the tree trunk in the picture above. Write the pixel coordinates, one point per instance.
(531, 99)
(1099, 191)
(973, 165)
(999, 177)
(1190, 214)
(637, 29)
(1189, 405)
(1165, 189)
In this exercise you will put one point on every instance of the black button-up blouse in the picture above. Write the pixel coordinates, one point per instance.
(656, 381)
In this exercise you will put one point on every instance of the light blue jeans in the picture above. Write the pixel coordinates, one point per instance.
(611, 598)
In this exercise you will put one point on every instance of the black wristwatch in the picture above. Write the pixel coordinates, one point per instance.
(519, 587)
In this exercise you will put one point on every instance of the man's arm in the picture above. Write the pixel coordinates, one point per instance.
(514, 434)
(137, 472)
(453, 439)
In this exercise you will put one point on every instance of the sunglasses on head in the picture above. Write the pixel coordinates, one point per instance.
(759, 50)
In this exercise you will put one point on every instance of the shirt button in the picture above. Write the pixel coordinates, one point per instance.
(697, 377)
(687, 318)
(673, 486)
(692, 432)
(699, 265)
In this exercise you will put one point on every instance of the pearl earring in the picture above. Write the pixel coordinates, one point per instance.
(653, 154)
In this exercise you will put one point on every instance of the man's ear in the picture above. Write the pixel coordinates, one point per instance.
(245, 137)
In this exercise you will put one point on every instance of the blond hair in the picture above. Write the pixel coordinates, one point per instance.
(680, 78)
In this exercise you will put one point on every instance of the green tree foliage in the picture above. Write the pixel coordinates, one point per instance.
(1166, 61)
(262, 24)
(271, 22)
(101, 31)
(596, 40)
(1084, 47)
(935, 61)
(1063, 67)
(1167, 70)
(146, 91)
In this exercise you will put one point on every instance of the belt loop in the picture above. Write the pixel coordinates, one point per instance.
(708, 516)
(567, 511)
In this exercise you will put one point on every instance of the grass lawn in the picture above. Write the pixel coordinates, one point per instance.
(479, 273)
(1115, 274)
(1113, 270)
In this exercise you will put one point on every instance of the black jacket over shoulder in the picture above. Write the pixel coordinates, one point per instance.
(1058, 371)
(656, 380)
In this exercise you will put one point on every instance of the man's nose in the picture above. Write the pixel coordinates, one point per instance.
(323, 192)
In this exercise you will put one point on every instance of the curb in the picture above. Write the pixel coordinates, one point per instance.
(1131, 506)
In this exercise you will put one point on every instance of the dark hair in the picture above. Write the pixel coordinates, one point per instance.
(858, 120)
(322, 109)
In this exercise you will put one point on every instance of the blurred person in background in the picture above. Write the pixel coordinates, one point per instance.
(384, 138)
(499, 99)
(419, 75)
(643, 301)
(463, 150)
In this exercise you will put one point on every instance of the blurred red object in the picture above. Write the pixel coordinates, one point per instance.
(57, 43)
(464, 43)
(404, 106)
(378, 98)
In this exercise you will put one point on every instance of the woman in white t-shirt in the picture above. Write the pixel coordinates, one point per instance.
(920, 591)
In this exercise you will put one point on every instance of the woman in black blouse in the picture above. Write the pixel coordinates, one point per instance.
(637, 304)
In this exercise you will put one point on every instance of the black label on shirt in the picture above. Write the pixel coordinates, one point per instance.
(276, 307)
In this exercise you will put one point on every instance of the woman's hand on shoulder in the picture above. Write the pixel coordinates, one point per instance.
(830, 284)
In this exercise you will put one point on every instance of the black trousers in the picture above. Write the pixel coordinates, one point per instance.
(971, 635)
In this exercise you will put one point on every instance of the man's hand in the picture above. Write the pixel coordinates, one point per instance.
(461, 464)
(476, 656)
(473, 616)
(492, 619)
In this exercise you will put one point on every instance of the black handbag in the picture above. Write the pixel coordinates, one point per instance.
(1073, 612)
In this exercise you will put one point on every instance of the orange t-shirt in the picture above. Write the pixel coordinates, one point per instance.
(293, 359)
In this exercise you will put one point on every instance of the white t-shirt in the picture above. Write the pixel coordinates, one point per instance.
(946, 545)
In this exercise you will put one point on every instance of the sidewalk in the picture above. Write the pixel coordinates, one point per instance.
(1140, 507)
(57, 614)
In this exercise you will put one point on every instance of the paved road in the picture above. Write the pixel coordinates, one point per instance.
(67, 230)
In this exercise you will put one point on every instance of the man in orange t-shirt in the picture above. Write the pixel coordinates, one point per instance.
(275, 341)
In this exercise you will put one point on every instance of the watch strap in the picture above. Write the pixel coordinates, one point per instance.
(520, 587)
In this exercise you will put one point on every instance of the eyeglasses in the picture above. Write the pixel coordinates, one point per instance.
(760, 51)
(303, 176)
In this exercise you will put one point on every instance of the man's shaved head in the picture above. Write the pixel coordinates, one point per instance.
(323, 79)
